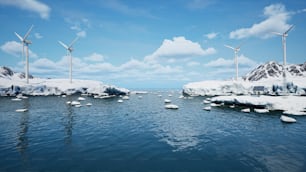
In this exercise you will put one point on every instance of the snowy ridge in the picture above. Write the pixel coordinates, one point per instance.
(275, 70)
(6, 72)
(12, 83)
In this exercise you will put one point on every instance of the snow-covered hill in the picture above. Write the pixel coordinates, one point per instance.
(12, 83)
(275, 70)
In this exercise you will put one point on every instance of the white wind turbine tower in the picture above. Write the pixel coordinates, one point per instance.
(236, 50)
(284, 35)
(69, 50)
(25, 43)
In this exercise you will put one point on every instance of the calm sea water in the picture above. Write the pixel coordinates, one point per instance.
(141, 135)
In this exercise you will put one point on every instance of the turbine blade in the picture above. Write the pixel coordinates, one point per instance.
(229, 47)
(64, 45)
(289, 29)
(28, 33)
(20, 38)
(238, 48)
(73, 42)
(276, 33)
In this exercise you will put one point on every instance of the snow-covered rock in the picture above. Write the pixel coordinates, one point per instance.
(287, 119)
(261, 110)
(167, 101)
(246, 110)
(21, 110)
(207, 108)
(12, 83)
(171, 106)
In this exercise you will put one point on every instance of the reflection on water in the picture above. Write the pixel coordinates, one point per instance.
(141, 135)
(22, 138)
(68, 122)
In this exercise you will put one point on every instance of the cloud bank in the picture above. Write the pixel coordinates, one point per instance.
(276, 21)
(29, 5)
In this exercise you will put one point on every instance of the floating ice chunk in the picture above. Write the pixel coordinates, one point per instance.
(287, 119)
(208, 108)
(78, 106)
(247, 110)
(88, 104)
(181, 97)
(96, 96)
(206, 101)
(21, 110)
(74, 103)
(167, 101)
(261, 110)
(232, 106)
(214, 105)
(81, 99)
(20, 96)
(68, 102)
(16, 99)
(171, 106)
(125, 98)
(120, 101)
(107, 97)
(170, 95)
(64, 96)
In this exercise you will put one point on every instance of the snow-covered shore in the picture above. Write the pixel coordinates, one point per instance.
(38, 86)
(12, 83)
(294, 105)
(272, 86)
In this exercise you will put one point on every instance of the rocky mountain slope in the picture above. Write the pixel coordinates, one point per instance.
(275, 70)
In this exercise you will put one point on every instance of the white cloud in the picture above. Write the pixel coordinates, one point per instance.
(211, 35)
(276, 21)
(95, 57)
(30, 5)
(15, 48)
(179, 47)
(79, 25)
(192, 64)
(81, 34)
(221, 62)
(38, 35)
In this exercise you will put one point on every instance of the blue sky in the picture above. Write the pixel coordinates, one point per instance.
(150, 44)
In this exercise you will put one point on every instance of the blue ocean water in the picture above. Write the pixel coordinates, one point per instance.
(141, 135)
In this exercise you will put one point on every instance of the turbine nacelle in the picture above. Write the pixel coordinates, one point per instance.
(285, 34)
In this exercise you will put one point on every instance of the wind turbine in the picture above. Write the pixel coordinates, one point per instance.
(284, 35)
(25, 43)
(236, 50)
(69, 50)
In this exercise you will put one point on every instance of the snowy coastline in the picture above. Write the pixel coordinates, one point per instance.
(293, 105)
(12, 83)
